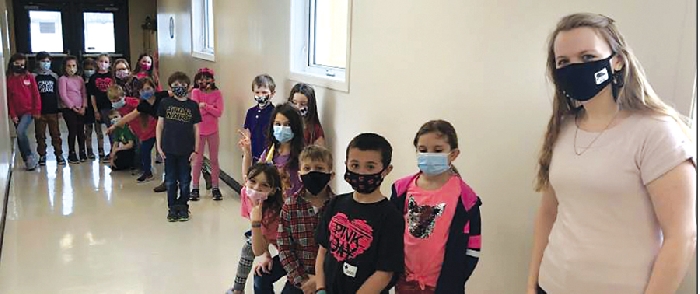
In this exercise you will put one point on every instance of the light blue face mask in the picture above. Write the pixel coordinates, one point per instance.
(118, 104)
(433, 164)
(283, 134)
(45, 65)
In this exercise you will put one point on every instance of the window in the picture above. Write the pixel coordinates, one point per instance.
(320, 41)
(203, 29)
(46, 31)
(99, 32)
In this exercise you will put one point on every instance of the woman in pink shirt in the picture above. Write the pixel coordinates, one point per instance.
(211, 105)
(23, 104)
(616, 171)
(71, 88)
(442, 240)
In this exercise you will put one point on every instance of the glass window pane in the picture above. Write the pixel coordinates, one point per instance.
(209, 16)
(99, 32)
(46, 31)
(330, 32)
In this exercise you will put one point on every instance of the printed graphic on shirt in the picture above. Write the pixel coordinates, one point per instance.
(180, 114)
(103, 84)
(45, 86)
(421, 218)
(349, 238)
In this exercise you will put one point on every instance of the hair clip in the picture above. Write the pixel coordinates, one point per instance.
(206, 70)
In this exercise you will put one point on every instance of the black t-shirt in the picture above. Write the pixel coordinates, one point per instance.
(97, 86)
(48, 90)
(152, 110)
(361, 238)
(178, 127)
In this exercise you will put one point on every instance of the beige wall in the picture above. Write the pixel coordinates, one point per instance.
(5, 141)
(138, 10)
(478, 64)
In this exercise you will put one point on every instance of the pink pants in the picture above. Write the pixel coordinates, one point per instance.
(213, 142)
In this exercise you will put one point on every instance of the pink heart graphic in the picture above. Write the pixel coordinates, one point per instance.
(349, 238)
(103, 84)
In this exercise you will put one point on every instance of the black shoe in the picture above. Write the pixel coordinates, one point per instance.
(183, 215)
(216, 194)
(194, 195)
(83, 156)
(160, 188)
(172, 215)
(101, 153)
(60, 160)
(73, 159)
(145, 177)
(105, 159)
(42, 160)
(90, 154)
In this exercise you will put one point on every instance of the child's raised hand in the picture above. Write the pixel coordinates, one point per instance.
(256, 213)
(244, 142)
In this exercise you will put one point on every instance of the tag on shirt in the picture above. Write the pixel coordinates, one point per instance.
(27, 82)
(349, 270)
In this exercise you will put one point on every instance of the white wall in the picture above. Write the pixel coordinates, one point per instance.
(478, 64)
(5, 143)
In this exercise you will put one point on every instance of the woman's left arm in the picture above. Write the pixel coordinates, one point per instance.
(673, 198)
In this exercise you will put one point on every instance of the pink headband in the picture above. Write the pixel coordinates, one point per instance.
(206, 70)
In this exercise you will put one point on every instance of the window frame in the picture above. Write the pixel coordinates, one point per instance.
(203, 30)
(301, 40)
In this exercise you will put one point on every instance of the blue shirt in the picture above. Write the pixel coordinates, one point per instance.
(257, 121)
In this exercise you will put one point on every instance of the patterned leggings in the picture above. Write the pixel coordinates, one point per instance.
(245, 264)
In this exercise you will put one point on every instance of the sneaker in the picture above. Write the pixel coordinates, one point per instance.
(216, 194)
(172, 215)
(145, 177)
(73, 158)
(183, 215)
(42, 160)
(90, 154)
(101, 153)
(194, 195)
(160, 188)
(83, 156)
(105, 159)
(60, 160)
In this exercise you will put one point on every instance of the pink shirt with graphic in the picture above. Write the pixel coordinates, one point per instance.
(270, 220)
(428, 218)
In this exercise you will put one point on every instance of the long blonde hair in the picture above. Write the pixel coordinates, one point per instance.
(635, 92)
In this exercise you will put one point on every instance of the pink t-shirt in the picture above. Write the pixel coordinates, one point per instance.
(270, 220)
(606, 236)
(211, 112)
(428, 218)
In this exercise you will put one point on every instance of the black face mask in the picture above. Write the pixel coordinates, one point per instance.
(17, 68)
(582, 81)
(315, 181)
(364, 184)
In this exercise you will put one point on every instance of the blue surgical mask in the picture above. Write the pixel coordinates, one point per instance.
(146, 94)
(45, 65)
(89, 73)
(118, 104)
(283, 134)
(433, 164)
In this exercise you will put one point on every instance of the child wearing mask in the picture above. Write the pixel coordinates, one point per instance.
(442, 217)
(177, 135)
(97, 87)
(211, 105)
(23, 104)
(73, 93)
(145, 68)
(360, 232)
(299, 219)
(303, 97)
(47, 83)
(258, 117)
(123, 149)
(89, 68)
(122, 77)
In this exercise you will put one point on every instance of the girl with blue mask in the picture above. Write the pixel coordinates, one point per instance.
(441, 213)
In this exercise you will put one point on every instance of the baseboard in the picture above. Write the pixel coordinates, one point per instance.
(228, 180)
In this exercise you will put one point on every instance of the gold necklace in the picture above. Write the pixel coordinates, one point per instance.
(594, 139)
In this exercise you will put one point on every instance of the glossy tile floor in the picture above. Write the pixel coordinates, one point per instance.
(84, 229)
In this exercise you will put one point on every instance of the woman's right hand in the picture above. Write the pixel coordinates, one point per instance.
(244, 142)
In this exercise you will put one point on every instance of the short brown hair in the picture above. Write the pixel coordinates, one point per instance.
(115, 92)
(317, 153)
(179, 76)
(264, 80)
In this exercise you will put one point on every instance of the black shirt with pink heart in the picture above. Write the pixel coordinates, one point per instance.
(97, 86)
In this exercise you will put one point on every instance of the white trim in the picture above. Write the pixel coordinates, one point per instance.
(300, 38)
(204, 56)
(473, 253)
(199, 28)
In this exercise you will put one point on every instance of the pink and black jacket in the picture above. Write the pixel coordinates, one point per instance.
(464, 241)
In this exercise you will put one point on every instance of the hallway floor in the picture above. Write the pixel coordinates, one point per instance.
(84, 229)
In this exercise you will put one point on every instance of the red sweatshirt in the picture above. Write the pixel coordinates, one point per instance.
(22, 95)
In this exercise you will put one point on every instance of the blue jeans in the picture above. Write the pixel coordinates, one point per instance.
(22, 139)
(264, 284)
(146, 147)
(178, 175)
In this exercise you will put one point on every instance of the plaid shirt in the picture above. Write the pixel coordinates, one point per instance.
(295, 237)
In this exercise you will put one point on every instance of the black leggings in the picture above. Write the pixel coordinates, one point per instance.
(76, 130)
(540, 290)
